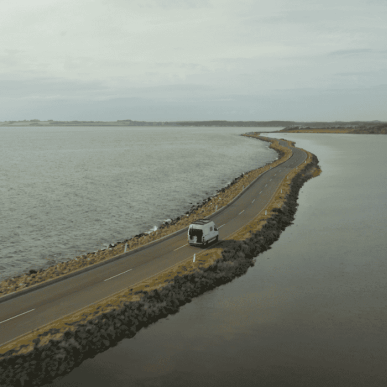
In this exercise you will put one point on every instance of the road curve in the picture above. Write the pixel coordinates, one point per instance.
(30, 311)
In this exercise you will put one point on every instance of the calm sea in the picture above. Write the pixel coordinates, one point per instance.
(311, 313)
(69, 190)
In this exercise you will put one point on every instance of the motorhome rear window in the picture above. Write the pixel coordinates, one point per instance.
(195, 232)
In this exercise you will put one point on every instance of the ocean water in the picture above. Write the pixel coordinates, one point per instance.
(69, 190)
(311, 312)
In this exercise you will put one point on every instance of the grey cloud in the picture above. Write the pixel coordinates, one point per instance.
(48, 88)
(303, 104)
(179, 4)
(352, 52)
(164, 4)
(55, 88)
(224, 59)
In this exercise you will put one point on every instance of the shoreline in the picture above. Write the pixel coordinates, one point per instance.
(378, 129)
(60, 346)
(205, 208)
(206, 123)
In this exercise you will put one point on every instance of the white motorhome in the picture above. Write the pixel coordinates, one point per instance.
(202, 232)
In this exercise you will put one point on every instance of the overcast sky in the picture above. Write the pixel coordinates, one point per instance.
(193, 59)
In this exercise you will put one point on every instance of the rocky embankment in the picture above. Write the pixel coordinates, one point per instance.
(59, 347)
(200, 210)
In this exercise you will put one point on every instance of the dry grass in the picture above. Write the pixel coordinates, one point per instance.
(25, 343)
(276, 201)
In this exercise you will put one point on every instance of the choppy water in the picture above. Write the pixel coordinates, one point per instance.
(312, 312)
(70, 190)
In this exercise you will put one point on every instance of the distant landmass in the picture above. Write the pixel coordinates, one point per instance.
(290, 125)
(368, 128)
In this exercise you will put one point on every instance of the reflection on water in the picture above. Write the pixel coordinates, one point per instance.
(311, 312)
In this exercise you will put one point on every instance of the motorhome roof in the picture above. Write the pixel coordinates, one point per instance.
(202, 221)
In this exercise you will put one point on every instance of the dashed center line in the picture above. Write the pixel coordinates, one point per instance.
(260, 192)
(114, 276)
(180, 247)
(266, 185)
(221, 226)
(253, 201)
(21, 314)
(241, 212)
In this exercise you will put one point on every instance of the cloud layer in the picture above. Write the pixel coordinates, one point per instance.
(202, 59)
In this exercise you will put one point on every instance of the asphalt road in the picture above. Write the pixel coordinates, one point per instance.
(30, 311)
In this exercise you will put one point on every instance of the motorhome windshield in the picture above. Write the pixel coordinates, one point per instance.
(195, 232)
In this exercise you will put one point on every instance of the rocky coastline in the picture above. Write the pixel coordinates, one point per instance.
(56, 350)
(199, 210)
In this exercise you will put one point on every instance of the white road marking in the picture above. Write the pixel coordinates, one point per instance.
(253, 201)
(260, 192)
(241, 212)
(270, 179)
(180, 247)
(117, 275)
(266, 185)
(21, 314)
(221, 226)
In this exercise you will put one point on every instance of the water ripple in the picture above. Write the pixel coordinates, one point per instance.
(71, 190)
